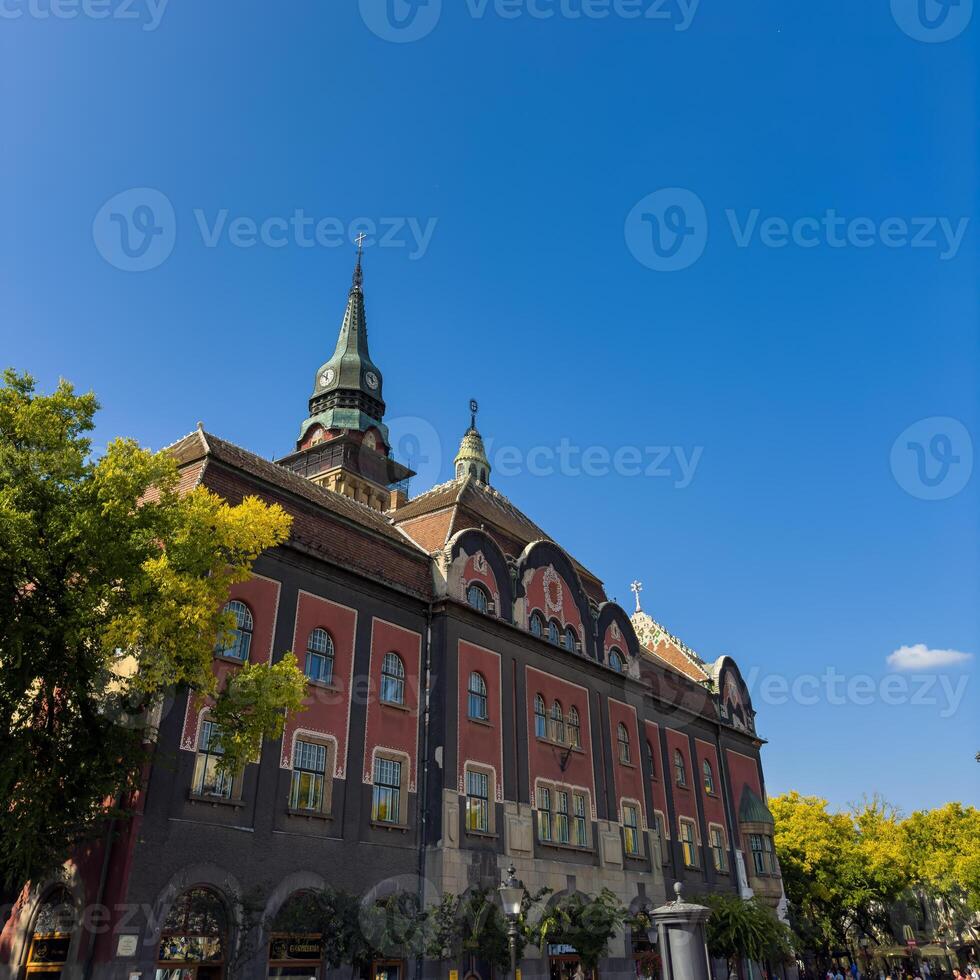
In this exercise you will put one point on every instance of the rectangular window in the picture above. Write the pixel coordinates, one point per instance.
(758, 855)
(319, 667)
(719, 854)
(581, 827)
(561, 817)
(689, 844)
(477, 801)
(664, 840)
(386, 802)
(631, 829)
(770, 854)
(309, 773)
(208, 781)
(544, 814)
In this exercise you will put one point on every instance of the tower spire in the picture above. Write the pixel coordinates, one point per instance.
(358, 282)
(471, 460)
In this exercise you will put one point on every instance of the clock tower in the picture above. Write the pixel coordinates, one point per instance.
(343, 444)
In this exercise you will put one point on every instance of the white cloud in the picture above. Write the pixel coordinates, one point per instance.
(920, 657)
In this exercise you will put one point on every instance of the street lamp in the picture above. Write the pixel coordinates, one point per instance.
(511, 898)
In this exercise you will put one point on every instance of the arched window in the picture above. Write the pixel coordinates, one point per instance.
(680, 770)
(477, 597)
(616, 660)
(477, 697)
(51, 936)
(709, 778)
(574, 728)
(392, 679)
(623, 737)
(319, 656)
(554, 632)
(651, 759)
(194, 933)
(294, 951)
(540, 721)
(570, 640)
(557, 723)
(537, 624)
(239, 640)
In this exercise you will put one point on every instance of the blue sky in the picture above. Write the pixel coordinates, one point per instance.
(606, 198)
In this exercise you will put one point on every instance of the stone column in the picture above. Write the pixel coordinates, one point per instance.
(681, 938)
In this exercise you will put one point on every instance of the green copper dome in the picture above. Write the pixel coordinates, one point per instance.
(751, 808)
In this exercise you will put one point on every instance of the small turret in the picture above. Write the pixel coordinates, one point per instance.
(471, 460)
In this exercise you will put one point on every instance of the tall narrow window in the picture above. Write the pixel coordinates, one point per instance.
(554, 632)
(544, 813)
(208, 781)
(680, 769)
(477, 702)
(392, 679)
(758, 855)
(631, 829)
(581, 837)
(557, 724)
(709, 778)
(319, 657)
(570, 639)
(719, 856)
(309, 773)
(386, 799)
(537, 624)
(540, 721)
(664, 839)
(623, 737)
(770, 854)
(239, 641)
(561, 817)
(574, 728)
(616, 660)
(477, 801)
(689, 844)
(477, 597)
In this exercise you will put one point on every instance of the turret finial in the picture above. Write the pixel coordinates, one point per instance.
(636, 588)
(474, 408)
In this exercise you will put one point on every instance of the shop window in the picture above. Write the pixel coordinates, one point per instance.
(51, 936)
(239, 641)
(320, 657)
(194, 938)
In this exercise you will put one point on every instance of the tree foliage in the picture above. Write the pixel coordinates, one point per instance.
(843, 871)
(740, 929)
(111, 589)
(587, 924)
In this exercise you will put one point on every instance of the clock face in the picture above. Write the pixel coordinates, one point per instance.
(372, 380)
(327, 377)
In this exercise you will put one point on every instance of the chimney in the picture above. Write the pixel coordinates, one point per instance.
(398, 498)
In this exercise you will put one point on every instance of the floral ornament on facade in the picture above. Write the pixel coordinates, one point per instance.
(554, 597)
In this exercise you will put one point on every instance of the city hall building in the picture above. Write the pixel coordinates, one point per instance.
(475, 700)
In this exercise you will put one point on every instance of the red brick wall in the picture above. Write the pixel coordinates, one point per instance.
(742, 771)
(685, 801)
(327, 713)
(659, 791)
(476, 741)
(713, 806)
(568, 614)
(627, 779)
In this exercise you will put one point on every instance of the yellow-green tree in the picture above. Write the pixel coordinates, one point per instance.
(111, 590)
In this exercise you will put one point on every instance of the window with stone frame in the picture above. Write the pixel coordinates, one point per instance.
(631, 829)
(544, 813)
(719, 848)
(580, 836)
(689, 842)
(540, 717)
(208, 781)
(311, 782)
(479, 808)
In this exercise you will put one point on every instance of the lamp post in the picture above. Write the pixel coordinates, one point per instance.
(865, 942)
(511, 898)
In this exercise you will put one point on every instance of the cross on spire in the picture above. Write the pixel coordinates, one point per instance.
(360, 241)
(636, 588)
(358, 271)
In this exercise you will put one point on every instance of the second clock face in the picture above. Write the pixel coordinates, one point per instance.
(372, 380)
(327, 377)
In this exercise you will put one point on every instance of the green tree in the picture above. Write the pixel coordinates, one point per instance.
(587, 924)
(739, 929)
(111, 589)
